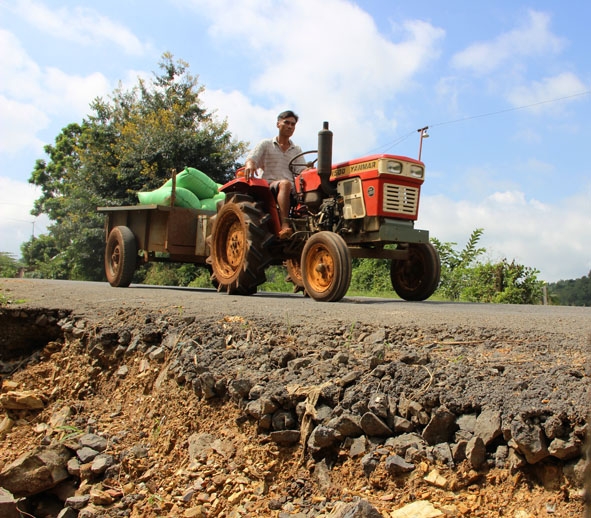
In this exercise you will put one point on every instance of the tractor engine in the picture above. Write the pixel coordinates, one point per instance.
(315, 191)
(328, 217)
(358, 195)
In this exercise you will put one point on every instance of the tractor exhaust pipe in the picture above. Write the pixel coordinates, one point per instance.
(325, 159)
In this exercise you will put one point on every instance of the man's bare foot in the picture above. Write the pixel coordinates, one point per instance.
(285, 233)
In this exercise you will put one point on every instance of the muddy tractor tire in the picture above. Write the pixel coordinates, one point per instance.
(294, 275)
(326, 267)
(417, 277)
(239, 237)
(120, 257)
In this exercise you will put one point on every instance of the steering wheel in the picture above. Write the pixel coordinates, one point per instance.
(292, 165)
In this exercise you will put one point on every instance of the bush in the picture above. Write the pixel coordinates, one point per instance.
(9, 266)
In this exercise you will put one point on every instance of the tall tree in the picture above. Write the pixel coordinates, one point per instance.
(130, 142)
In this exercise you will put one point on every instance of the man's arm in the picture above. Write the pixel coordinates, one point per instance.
(254, 159)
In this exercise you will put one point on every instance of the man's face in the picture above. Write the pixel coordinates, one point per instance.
(286, 126)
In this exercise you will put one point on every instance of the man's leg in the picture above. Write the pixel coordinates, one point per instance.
(284, 201)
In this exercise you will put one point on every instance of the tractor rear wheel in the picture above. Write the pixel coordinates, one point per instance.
(294, 275)
(238, 242)
(326, 267)
(120, 257)
(417, 277)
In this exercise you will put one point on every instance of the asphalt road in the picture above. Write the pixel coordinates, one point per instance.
(94, 300)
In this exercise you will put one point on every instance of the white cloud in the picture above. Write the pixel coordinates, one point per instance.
(319, 57)
(246, 121)
(17, 225)
(79, 25)
(533, 38)
(72, 94)
(538, 94)
(31, 97)
(20, 74)
(18, 125)
(535, 234)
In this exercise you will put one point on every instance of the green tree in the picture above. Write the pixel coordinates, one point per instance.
(371, 276)
(130, 142)
(9, 266)
(44, 258)
(572, 292)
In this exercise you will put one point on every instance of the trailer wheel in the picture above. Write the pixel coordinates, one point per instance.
(120, 257)
(237, 246)
(326, 267)
(417, 277)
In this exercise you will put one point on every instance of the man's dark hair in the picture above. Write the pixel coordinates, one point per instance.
(286, 114)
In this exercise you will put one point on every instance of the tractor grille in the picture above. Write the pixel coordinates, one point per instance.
(400, 199)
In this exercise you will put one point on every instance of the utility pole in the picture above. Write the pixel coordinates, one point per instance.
(424, 134)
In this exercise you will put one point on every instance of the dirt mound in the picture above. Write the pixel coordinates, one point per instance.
(238, 417)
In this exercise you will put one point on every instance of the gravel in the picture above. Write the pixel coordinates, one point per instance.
(393, 383)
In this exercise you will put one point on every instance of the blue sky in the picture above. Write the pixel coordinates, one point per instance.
(504, 86)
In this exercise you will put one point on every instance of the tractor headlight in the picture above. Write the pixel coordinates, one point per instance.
(416, 171)
(394, 167)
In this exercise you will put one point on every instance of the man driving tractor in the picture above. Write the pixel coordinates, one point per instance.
(273, 156)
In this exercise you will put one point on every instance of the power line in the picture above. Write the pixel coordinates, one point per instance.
(480, 116)
(392, 144)
(507, 110)
(19, 220)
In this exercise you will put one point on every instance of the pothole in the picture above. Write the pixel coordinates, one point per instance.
(25, 331)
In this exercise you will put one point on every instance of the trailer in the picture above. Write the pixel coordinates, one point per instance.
(138, 234)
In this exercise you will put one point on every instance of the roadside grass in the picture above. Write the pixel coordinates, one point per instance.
(276, 283)
(6, 301)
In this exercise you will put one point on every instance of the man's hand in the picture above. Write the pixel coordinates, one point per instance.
(249, 170)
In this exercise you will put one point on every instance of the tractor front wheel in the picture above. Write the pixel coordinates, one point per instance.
(417, 277)
(326, 267)
(237, 245)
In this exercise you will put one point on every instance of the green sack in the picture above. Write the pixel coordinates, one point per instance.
(184, 197)
(208, 204)
(212, 203)
(195, 181)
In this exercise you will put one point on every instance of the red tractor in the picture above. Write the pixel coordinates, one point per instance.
(362, 208)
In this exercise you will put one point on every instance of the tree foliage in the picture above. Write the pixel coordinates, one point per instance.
(457, 265)
(44, 258)
(503, 282)
(572, 292)
(9, 266)
(130, 142)
(371, 276)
